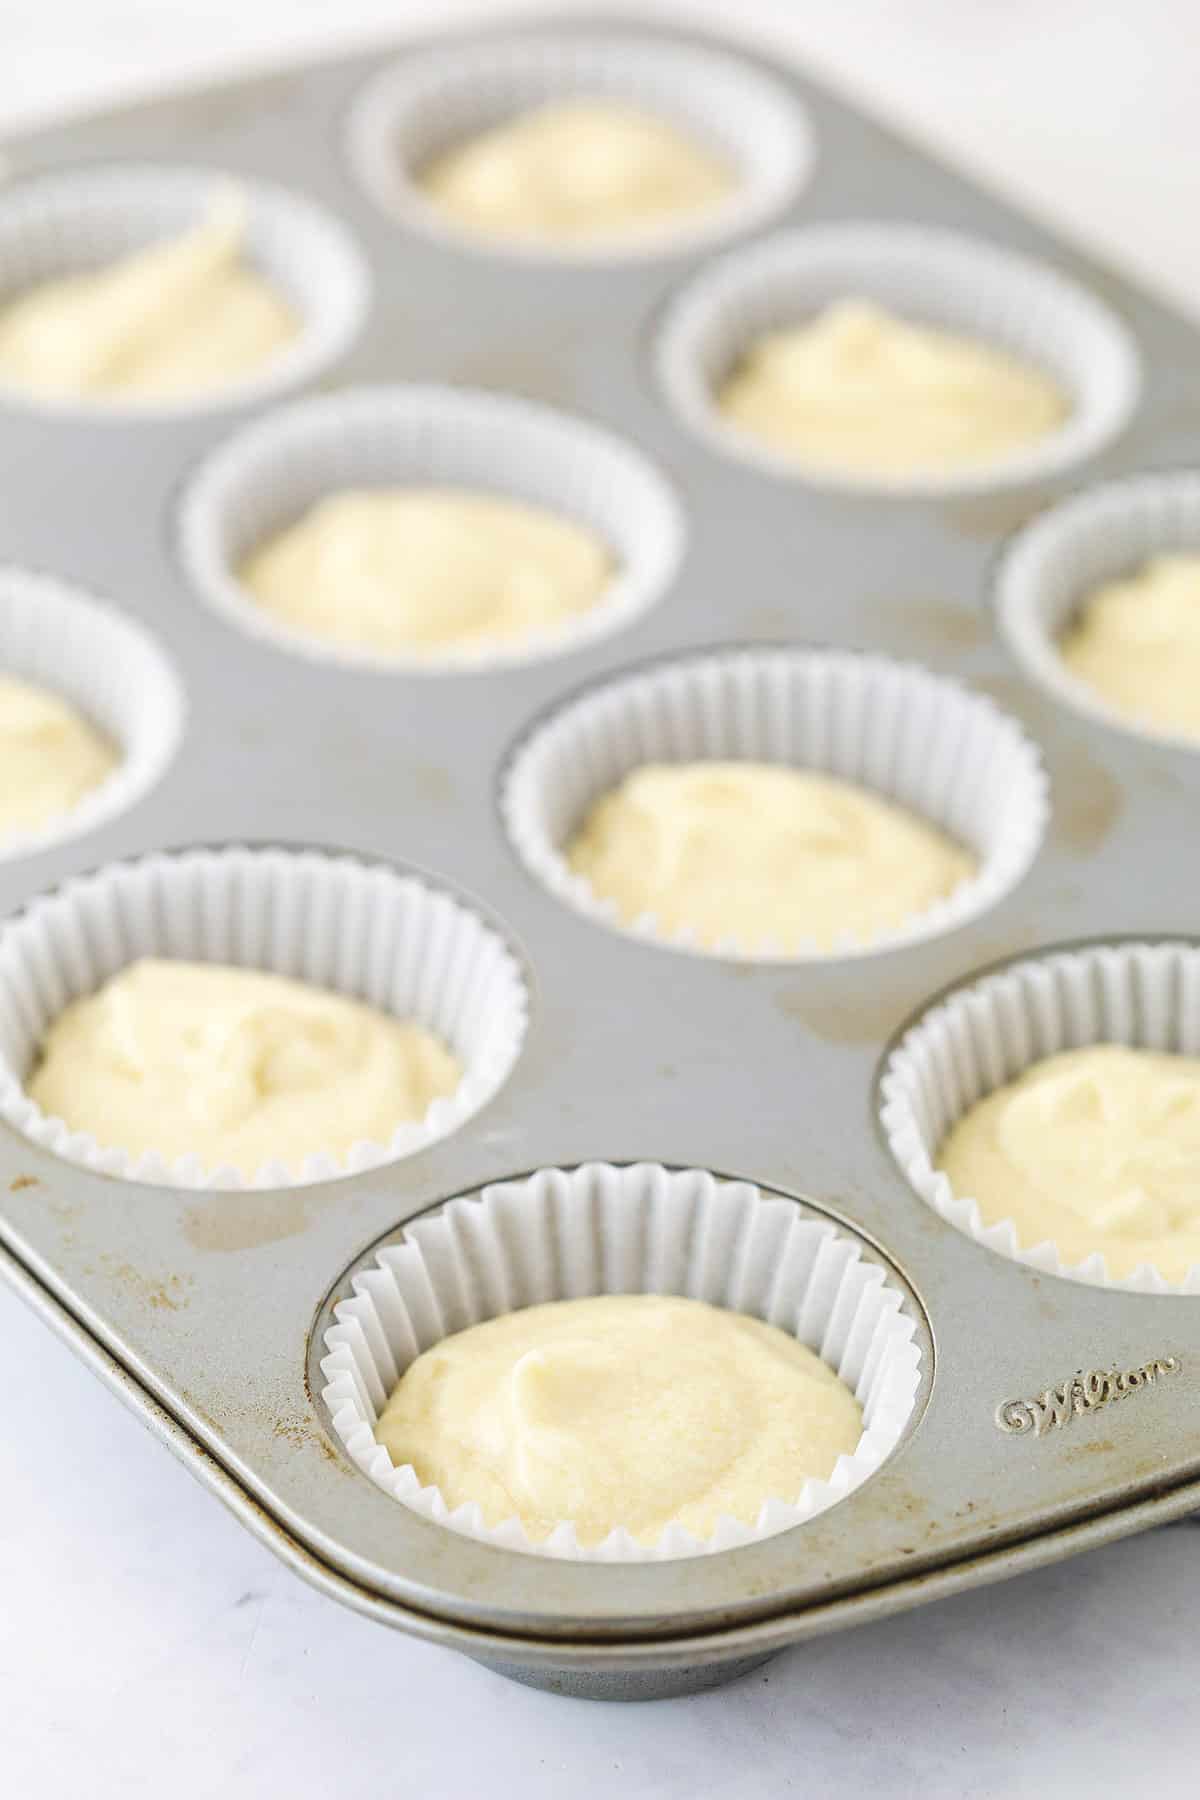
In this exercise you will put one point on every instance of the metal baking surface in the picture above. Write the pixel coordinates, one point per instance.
(205, 1310)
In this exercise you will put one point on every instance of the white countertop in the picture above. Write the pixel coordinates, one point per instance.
(148, 1646)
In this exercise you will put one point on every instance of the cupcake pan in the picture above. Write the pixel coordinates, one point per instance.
(207, 1310)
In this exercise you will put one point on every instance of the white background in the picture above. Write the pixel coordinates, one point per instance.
(148, 1646)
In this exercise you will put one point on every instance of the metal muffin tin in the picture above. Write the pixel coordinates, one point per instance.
(205, 1310)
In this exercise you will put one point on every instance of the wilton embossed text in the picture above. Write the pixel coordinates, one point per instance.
(1086, 1390)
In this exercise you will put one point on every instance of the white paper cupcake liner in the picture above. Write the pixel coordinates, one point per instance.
(360, 929)
(112, 671)
(946, 754)
(1051, 566)
(80, 220)
(985, 1034)
(599, 1229)
(421, 106)
(960, 284)
(266, 476)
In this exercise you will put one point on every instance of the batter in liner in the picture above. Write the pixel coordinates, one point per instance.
(1136, 642)
(762, 854)
(183, 316)
(50, 757)
(234, 1066)
(1095, 1150)
(575, 170)
(859, 389)
(632, 1410)
(405, 570)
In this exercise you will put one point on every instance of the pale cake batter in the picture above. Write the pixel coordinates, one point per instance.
(50, 757)
(183, 316)
(575, 170)
(861, 390)
(1136, 642)
(1094, 1149)
(418, 569)
(234, 1066)
(762, 854)
(635, 1410)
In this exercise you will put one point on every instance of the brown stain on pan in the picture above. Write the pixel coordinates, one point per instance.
(1018, 698)
(992, 516)
(848, 1016)
(298, 1430)
(1087, 801)
(938, 625)
(770, 621)
(1166, 781)
(1079, 1452)
(19, 1182)
(60, 1207)
(429, 783)
(305, 1434)
(995, 949)
(531, 376)
(245, 1221)
(161, 1293)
